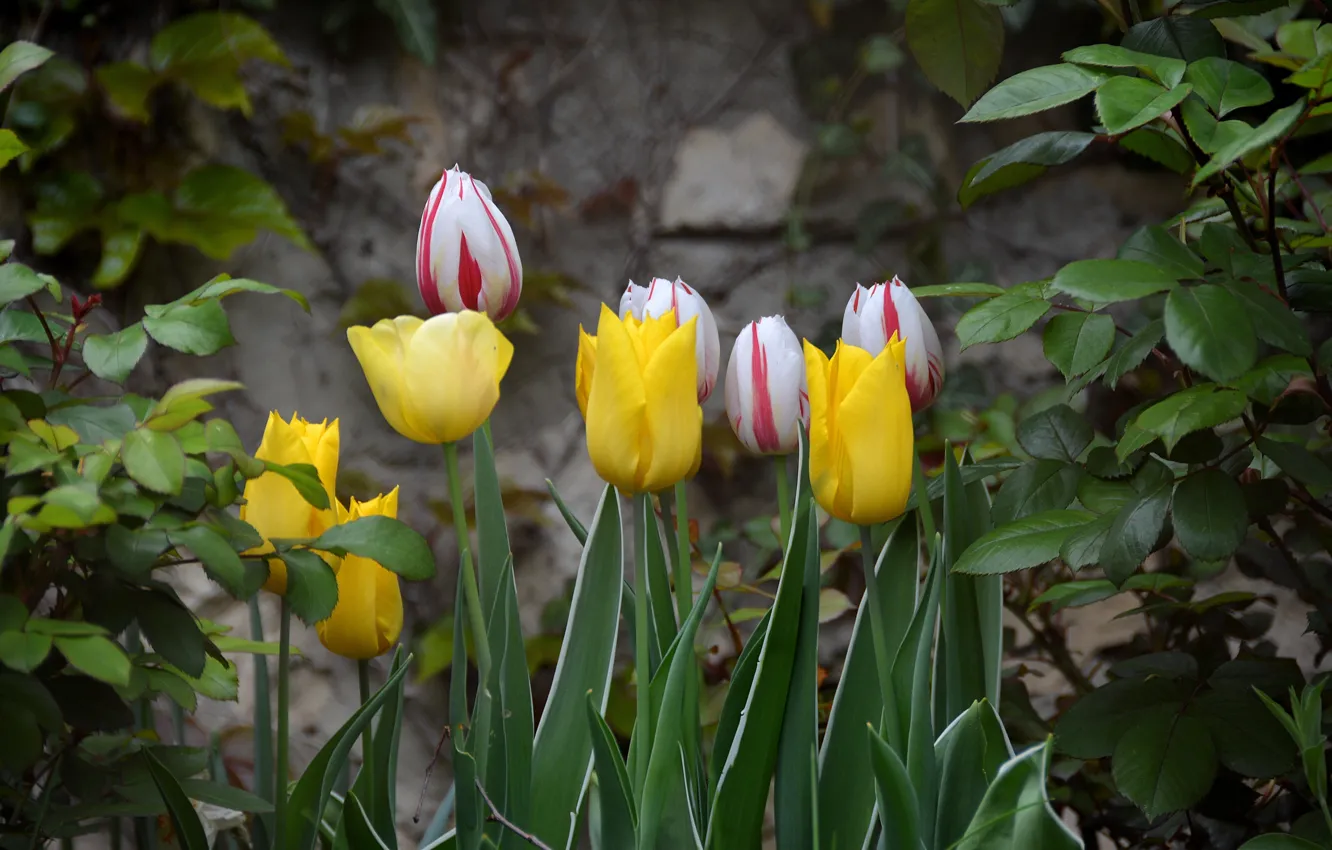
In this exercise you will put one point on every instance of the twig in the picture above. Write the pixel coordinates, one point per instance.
(1304, 191)
(1058, 653)
(429, 771)
(495, 815)
(50, 337)
(736, 640)
(1272, 240)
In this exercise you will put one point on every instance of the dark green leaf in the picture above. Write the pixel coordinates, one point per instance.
(1109, 281)
(1278, 841)
(392, 544)
(1056, 433)
(1209, 514)
(1210, 331)
(128, 86)
(154, 459)
(1035, 90)
(1093, 726)
(1131, 354)
(312, 589)
(1015, 813)
(189, 831)
(1134, 534)
(1044, 485)
(1165, 70)
(1001, 318)
(1210, 134)
(1126, 103)
(1167, 665)
(1248, 739)
(618, 814)
(958, 44)
(1177, 36)
(1156, 245)
(1018, 545)
(1200, 406)
(1297, 462)
(1074, 594)
(1083, 547)
(1165, 762)
(1008, 177)
(94, 424)
(19, 57)
(1053, 148)
(112, 357)
(1277, 125)
(194, 329)
(1273, 321)
(416, 24)
(360, 832)
(1226, 85)
(172, 631)
(220, 560)
(1077, 342)
(899, 810)
(1160, 146)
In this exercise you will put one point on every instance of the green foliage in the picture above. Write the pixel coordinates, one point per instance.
(1206, 328)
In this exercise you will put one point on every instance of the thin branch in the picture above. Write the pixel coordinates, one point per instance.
(496, 816)
(429, 771)
(1272, 240)
(1304, 191)
(50, 337)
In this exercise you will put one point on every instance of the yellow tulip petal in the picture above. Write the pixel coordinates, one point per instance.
(323, 442)
(380, 352)
(273, 506)
(388, 609)
(350, 631)
(653, 333)
(587, 362)
(822, 470)
(674, 429)
(877, 434)
(616, 406)
(451, 374)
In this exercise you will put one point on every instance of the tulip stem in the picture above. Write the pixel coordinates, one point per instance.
(684, 573)
(642, 654)
(472, 592)
(877, 633)
(367, 738)
(283, 726)
(923, 503)
(783, 498)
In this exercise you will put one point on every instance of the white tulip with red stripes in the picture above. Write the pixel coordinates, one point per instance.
(661, 297)
(767, 397)
(872, 317)
(466, 256)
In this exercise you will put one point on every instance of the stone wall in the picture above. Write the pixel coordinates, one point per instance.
(678, 130)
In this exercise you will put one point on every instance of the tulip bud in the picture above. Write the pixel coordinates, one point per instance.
(466, 256)
(767, 399)
(872, 317)
(661, 297)
(368, 618)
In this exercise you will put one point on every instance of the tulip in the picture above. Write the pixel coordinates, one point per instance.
(661, 297)
(767, 399)
(466, 256)
(874, 315)
(435, 381)
(368, 618)
(860, 432)
(644, 424)
(273, 506)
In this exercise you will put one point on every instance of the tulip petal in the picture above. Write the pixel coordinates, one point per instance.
(273, 505)
(350, 631)
(876, 432)
(381, 350)
(587, 362)
(451, 375)
(616, 406)
(822, 472)
(322, 443)
(673, 424)
(388, 609)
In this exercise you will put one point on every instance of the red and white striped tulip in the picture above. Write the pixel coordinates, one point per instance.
(874, 315)
(661, 297)
(466, 256)
(767, 397)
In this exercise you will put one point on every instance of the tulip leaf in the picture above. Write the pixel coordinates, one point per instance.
(1015, 813)
(311, 793)
(563, 747)
(389, 542)
(575, 525)
(619, 818)
(361, 833)
(312, 588)
(846, 802)
(154, 460)
(970, 753)
(899, 809)
(377, 782)
(189, 831)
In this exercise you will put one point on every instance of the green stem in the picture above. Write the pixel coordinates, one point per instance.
(263, 710)
(367, 739)
(471, 590)
(684, 576)
(880, 640)
(283, 726)
(642, 654)
(923, 507)
(783, 498)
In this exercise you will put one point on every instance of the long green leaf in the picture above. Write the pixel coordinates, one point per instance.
(467, 801)
(562, 752)
(963, 649)
(660, 601)
(361, 834)
(899, 810)
(668, 774)
(575, 525)
(1015, 813)
(312, 790)
(618, 820)
(189, 831)
(742, 787)
(796, 789)
(509, 773)
(846, 801)
(970, 753)
(911, 687)
(737, 694)
(380, 777)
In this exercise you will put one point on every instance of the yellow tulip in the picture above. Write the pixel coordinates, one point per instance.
(860, 432)
(368, 618)
(273, 505)
(636, 387)
(436, 381)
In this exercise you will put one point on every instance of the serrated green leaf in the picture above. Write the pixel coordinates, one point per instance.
(1126, 103)
(1056, 433)
(1167, 71)
(96, 656)
(1134, 534)
(1076, 342)
(1209, 515)
(1273, 321)
(1165, 762)
(958, 44)
(1001, 318)
(1028, 542)
(1131, 354)
(1226, 85)
(18, 281)
(1189, 410)
(112, 357)
(1210, 331)
(1110, 281)
(1157, 246)
(1039, 486)
(193, 329)
(1035, 90)
(1045, 149)
(391, 543)
(154, 459)
(1277, 125)
(1178, 36)
(1297, 462)
(312, 588)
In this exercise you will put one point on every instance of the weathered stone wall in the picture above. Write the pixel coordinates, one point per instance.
(691, 104)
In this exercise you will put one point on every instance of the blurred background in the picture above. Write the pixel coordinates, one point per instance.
(770, 152)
